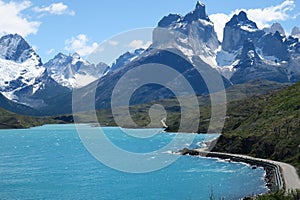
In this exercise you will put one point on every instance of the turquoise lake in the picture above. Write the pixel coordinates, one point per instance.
(51, 162)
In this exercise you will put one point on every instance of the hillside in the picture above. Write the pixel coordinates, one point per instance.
(9, 120)
(266, 126)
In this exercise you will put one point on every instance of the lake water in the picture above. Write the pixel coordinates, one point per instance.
(50, 162)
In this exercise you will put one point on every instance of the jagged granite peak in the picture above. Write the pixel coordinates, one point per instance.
(193, 33)
(73, 71)
(249, 56)
(61, 60)
(275, 27)
(125, 59)
(168, 20)
(22, 74)
(295, 32)
(273, 44)
(200, 4)
(14, 47)
(241, 21)
(251, 67)
(238, 30)
(198, 13)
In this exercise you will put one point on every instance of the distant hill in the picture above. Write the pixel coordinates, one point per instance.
(9, 120)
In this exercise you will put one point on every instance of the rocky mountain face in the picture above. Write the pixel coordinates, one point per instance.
(252, 67)
(295, 32)
(72, 71)
(238, 30)
(125, 59)
(22, 74)
(15, 48)
(179, 42)
(276, 27)
(252, 54)
(193, 34)
(25, 80)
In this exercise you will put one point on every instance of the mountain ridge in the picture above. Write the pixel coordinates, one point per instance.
(245, 54)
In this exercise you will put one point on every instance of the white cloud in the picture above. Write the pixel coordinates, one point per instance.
(12, 21)
(55, 9)
(113, 43)
(80, 45)
(262, 16)
(50, 51)
(139, 44)
(219, 19)
(270, 14)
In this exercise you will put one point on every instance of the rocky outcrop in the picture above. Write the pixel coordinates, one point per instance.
(276, 27)
(238, 30)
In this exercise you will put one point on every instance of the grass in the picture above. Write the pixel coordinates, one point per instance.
(279, 195)
(266, 126)
(9, 120)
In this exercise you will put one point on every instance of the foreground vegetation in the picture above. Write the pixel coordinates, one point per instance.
(266, 126)
(279, 195)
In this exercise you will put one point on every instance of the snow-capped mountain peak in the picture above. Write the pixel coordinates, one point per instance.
(125, 59)
(241, 21)
(238, 30)
(198, 13)
(194, 33)
(15, 48)
(200, 4)
(73, 71)
(276, 27)
(22, 73)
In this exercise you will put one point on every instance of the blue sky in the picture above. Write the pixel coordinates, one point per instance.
(77, 25)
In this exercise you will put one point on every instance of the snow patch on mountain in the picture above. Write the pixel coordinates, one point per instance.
(73, 71)
(248, 28)
(225, 58)
(26, 71)
(17, 76)
(124, 59)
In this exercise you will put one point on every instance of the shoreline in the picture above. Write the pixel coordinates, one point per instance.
(279, 176)
(270, 179)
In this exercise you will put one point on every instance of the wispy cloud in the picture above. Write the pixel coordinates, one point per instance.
(55, 9)
(262, 16)
(220, 19)
(113, 42)
(270, 14)
(139, 44)
(50, 51)
(12, 20)
(81, 45)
